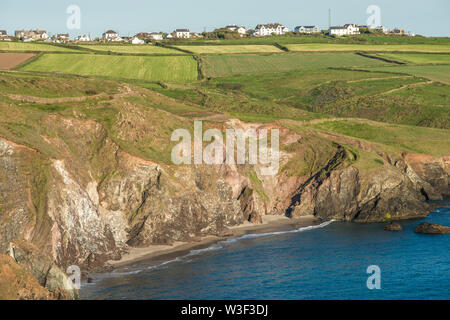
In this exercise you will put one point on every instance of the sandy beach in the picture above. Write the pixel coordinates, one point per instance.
(270, 223)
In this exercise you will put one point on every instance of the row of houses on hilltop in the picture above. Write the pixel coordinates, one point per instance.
(31, 35)
(261, 30)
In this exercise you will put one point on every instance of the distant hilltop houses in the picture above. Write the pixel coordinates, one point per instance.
(239, 29)
(31, 35)
(347, 29)
(270, 29)
(307, 29)
(227, 32)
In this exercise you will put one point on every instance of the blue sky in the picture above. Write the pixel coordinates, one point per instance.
(428, 18)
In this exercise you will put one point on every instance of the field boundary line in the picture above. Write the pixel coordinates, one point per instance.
(281, 47)
(23, 64)
(163, 45)
(362, 54)
(375, 79)
(411, 85)
(201, 68)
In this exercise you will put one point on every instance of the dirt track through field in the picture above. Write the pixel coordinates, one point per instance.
(11, 60)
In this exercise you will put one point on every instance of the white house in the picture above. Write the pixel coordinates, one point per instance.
(347, 29)
(3, 35)
(240, 29)
(182, 33)
(270, 29)
(42, 34)
(62, 37)
(156, 36)
(110, 35)
(83, 38)
(307, 29)
(136, 40)
(31, 35)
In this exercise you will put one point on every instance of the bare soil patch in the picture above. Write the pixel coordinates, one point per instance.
(11, 60)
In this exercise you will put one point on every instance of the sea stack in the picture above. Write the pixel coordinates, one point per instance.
(431, 228)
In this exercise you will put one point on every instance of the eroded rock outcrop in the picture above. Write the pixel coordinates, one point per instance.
(393, 226)
(434, 170)
(431, 228)
(16, 283)
(93, 200)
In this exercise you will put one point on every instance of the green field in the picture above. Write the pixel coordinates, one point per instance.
(223, 66)
(384, 97)
(224, 49)
(418, 58)
(369, 47)
(33, 47)
(413, 139)
(316, 38)
(439, 73)
(49, 86)
(170, 68)
(132, 49)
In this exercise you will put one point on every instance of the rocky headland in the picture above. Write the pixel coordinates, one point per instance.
(82, 192)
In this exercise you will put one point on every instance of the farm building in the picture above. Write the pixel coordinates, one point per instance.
(307, 29)
(270, 29)
(347, 29)
(30, 35)
(181, 33)
(156, 35)
(111, 35)
(152, 35)
(63, 37)
(3, 35)
(136, 40)
(83, 38)
(240, 29)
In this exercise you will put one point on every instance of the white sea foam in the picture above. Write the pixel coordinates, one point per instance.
(266, 234)
(217, 246)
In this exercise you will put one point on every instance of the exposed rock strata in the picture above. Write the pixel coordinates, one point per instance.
(96, 200)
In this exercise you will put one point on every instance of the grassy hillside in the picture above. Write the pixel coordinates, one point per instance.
(49, 86)
(393, 137)
(383, 97)
(141, 121)
(437, 73)
(170, 68)
(222, 66)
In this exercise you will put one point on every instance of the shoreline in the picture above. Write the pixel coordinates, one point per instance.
(271, 223)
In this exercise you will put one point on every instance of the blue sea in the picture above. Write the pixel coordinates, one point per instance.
(329, 261)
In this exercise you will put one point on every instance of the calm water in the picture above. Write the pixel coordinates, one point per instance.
(329, 262)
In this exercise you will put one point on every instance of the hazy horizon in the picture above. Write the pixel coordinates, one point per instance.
(130, 17)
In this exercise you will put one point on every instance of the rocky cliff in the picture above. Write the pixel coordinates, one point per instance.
(80, 191)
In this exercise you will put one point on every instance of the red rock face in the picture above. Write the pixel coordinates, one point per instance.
(433, 170)
(96, 200)
(16, 283)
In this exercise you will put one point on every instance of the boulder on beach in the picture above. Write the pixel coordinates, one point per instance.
(393, 226)
(431, 228)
